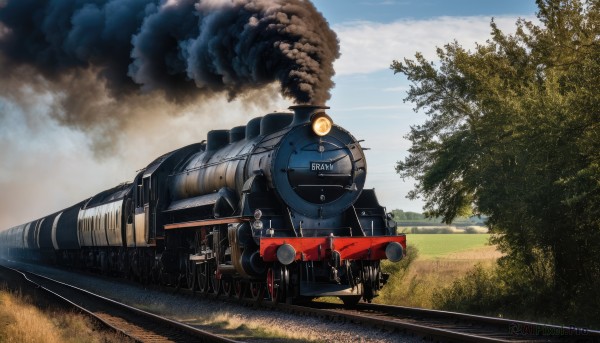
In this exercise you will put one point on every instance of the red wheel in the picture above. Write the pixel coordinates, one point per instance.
(227, 285)
(191, 277)
(203, 278)
(271, 287)
(215, 284)
(239, 289)
(276, 283)
(257, 290)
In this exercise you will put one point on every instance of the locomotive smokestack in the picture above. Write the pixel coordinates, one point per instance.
(302, 113)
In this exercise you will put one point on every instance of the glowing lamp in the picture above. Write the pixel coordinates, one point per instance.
(321, 123)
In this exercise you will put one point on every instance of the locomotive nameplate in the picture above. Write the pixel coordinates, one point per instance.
(321, 167)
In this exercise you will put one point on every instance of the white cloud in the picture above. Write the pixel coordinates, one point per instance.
(369, 46)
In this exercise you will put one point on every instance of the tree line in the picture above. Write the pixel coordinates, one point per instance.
(513, 133)
(401, 216)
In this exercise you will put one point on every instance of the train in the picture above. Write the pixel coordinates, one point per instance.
(275, 210)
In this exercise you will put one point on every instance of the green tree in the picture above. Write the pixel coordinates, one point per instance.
(513, 132)
(398, 215)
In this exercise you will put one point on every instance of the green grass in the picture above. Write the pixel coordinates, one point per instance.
(434, 246)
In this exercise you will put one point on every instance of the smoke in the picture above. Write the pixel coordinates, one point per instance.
(183, 49)
(48, 165)
(109, 68)
(128, 80)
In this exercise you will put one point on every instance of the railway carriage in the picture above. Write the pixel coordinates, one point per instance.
(275, 209)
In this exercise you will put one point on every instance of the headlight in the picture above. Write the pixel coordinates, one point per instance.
(321, 123)
(257, 225)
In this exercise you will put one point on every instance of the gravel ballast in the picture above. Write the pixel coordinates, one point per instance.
(238, 321)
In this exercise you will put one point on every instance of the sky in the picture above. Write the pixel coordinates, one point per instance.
(47, 166)
(368, 97)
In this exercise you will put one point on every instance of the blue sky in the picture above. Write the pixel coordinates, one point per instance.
(368, 97)
(41, 157)
(386, 11)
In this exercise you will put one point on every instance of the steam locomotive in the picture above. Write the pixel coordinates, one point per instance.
(272, 210)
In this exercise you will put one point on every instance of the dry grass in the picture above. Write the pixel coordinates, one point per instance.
(230, 324)
(227, 323)
(256, 329)
(415, 286)
(20, 321)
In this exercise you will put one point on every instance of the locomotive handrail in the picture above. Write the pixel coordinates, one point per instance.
(238, 157)
(207, 222)
(206, 165)
(254, 151)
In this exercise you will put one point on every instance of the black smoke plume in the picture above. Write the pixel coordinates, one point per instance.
(184, 49)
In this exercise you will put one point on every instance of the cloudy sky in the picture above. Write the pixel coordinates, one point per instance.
(368, 97)
(47, 165)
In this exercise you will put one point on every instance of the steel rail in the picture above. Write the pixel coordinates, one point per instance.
(458, 326)
(425, 329)
(198, 334)
(431, 324)
(510, 325)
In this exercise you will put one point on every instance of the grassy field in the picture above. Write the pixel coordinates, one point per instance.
(434, 261)
(21, 321)
(439, 246)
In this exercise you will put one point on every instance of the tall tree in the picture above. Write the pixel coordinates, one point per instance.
(513, 132)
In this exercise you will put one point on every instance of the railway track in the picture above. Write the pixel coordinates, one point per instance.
(140, 325)
(434, 325)
(431, 325)
(452, 326)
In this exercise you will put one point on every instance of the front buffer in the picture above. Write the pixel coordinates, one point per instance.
(346, 267)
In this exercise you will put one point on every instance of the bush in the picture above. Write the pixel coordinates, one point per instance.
(403, 266)
(397, 288)
(516, 290)
(478, 292)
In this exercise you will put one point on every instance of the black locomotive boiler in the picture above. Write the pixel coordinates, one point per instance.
(278, 205)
